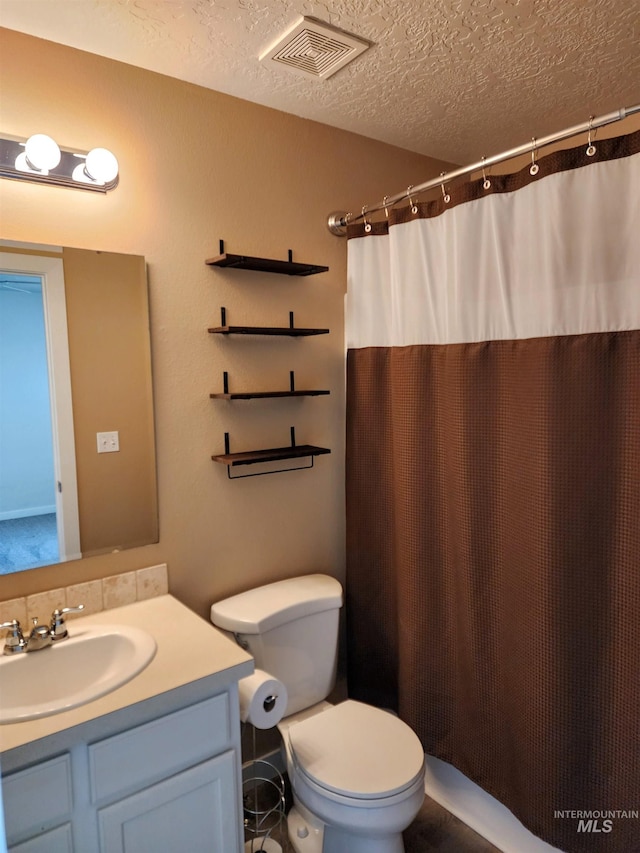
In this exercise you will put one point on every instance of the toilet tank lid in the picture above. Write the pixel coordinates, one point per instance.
(269, 606)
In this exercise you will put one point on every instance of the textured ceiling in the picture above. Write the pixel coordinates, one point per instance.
(454, 79)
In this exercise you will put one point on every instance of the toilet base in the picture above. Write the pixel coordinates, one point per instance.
(305, 830)
(308, 834)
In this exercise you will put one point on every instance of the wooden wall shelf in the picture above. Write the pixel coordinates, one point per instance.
(255, 395)
(246, 262)
(267, 330)
(289, 331)
(272, 454)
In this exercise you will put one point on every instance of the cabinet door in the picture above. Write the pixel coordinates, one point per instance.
(36, 800)
(56, 841)
(195, 811)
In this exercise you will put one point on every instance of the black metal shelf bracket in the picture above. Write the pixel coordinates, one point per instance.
(291, 330)
(225, 383)
(289, 253)
(265, 473)
(227, 451)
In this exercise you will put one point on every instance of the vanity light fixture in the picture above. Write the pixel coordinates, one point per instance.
(40, 159)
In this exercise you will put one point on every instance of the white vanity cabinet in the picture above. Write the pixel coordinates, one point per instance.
(167, 784)
(153, 766)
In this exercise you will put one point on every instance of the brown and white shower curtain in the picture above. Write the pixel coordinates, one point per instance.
(493, 485)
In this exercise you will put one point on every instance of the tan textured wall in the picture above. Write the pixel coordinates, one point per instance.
(107, 309)
(197, 166)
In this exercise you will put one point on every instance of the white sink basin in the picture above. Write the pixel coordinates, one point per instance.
(91, 662)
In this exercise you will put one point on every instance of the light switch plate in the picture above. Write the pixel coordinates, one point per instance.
(108, 442)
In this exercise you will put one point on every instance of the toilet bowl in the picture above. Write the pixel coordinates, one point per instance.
(357, 775)
(356, 772)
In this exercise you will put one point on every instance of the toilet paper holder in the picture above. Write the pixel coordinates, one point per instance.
(264, 807)
(269, 703)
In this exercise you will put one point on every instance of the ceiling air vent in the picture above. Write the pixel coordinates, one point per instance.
(315, 49)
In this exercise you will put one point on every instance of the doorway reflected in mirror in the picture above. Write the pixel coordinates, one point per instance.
(28, 515)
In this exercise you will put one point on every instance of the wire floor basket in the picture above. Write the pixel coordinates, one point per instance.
(264, 804)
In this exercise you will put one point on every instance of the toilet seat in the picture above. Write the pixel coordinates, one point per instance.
(357, 751)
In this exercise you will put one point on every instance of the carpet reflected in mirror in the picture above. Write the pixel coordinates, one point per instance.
(26, 543)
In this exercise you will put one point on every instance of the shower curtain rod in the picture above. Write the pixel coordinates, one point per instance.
(337, 222)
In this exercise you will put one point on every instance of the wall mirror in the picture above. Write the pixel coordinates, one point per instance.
(77, 442)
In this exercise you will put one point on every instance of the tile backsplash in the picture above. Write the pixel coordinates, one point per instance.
(97, 595)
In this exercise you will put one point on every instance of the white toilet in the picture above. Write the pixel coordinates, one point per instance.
(356, 772)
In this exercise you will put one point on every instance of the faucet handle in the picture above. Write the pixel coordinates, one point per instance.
(15, 642)
(58, 629)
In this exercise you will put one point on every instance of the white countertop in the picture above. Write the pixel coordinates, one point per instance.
(189, 649)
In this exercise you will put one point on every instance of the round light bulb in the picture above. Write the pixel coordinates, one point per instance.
(42, 152)
(101, 165)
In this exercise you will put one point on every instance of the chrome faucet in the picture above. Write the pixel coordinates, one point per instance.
(14, 642)
(58, 629)
(41, 636)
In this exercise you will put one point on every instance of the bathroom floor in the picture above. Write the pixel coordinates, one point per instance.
(437, 829)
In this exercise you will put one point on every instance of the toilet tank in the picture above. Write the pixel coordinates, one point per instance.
(291, 629)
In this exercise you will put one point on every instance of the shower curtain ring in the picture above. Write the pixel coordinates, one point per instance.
(534, 166)
(414, 207)
(367, 225)
(486, 183)
(445, 195)
(591, 148)
(386, 209)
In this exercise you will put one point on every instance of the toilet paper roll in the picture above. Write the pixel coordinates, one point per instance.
(263, 700)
